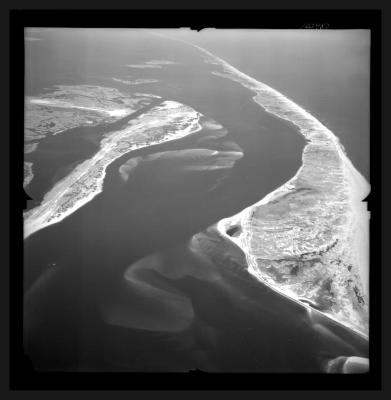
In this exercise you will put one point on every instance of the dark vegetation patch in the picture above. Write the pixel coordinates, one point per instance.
(234, 231)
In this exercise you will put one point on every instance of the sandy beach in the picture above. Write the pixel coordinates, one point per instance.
(336, 187)
(168, 121)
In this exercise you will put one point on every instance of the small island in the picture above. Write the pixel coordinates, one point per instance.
(135, 81)
(152, 64)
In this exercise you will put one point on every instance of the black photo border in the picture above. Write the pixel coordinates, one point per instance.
(22, 375)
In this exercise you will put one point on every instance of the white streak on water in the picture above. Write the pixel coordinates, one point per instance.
(135, 81)
(120, 112)
(152, 64)
(175, 162)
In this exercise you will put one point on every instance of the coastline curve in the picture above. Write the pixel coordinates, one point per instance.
(315, 227)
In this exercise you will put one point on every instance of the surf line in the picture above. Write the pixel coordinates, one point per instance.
(168, 121)
(352, 186)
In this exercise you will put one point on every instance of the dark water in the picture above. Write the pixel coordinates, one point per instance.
(187, 303)
(58, 155)
(325, 71)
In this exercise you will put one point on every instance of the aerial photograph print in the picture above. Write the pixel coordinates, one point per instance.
(197, 200)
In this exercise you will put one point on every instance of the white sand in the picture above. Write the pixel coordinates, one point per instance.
(356, 243)
(86, 180)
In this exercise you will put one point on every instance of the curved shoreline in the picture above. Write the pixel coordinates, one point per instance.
(223, 225)
(351, 189)
(168, 121)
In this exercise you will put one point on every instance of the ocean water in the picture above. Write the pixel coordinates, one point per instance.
(324, 71)
(136, 280)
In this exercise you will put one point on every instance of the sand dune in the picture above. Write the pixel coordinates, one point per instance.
(309, 238)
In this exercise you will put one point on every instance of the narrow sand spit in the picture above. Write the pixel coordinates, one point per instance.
(167, 121)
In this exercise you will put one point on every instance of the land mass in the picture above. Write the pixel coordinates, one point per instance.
(168, 121)
(69, 107)
(308, 239)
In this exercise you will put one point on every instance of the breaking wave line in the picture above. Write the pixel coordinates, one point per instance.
(314, 228)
